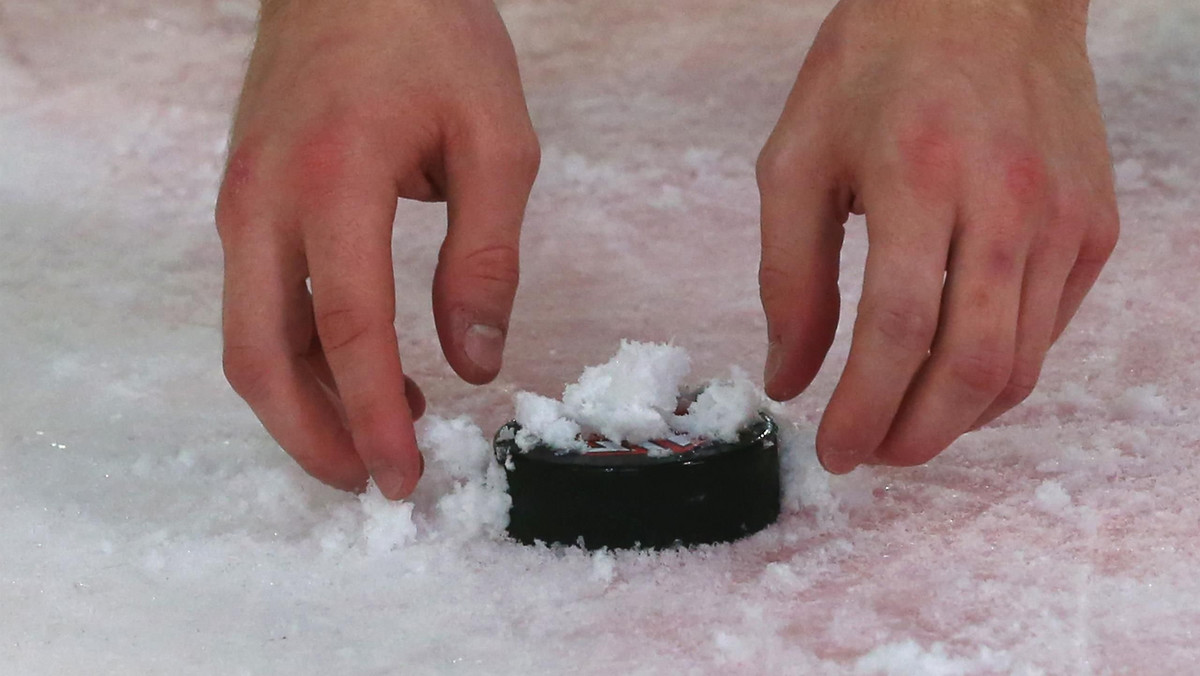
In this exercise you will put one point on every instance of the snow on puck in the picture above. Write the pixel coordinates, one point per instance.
(678, 490)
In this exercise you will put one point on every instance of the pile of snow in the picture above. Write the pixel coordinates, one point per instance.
(634, 398)
(462, 496)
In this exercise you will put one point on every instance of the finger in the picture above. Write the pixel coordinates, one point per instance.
(320, 365)
(1041, 293)
(348, 240)
(909, 240)
(798, 273)
(488, 184)
(266, 322)
(973, 352)
(1098, 244)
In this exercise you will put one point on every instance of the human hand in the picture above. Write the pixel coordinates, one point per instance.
(970, 135)
(346, 107)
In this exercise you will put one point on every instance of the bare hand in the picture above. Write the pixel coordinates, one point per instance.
(346, 107)
(970, 136)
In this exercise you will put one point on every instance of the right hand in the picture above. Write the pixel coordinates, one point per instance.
(346, 107)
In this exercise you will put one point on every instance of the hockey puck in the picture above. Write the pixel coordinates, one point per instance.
(662, 493)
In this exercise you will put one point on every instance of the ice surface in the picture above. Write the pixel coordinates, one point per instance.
(151, 526)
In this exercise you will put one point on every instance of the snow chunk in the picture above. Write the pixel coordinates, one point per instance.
(461, 497)
(545, 420)
(631, 397)
(478, 508)
(466, 488)
(722, 409)
(732, 648)
(456, 446)
(1051, 497)
(1143, 404)
(604, 566)
(388, 524)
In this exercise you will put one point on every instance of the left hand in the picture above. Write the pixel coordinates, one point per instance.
(970, 135)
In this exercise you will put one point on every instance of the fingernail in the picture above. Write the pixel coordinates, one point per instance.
(484, 346)
(774, 361)
(838, 461)
(391, 483)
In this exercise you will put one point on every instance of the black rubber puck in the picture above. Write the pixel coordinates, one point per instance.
(665, 493)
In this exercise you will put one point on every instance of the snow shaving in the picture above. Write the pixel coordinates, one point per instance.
(635, 397)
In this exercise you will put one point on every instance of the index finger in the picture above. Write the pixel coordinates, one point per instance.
(348, 244)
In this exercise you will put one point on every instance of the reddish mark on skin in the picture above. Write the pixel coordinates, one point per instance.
(240, 173)
(322, 158)
(1024, 175)
(929, 152)
(1001, 261)
(241, 165)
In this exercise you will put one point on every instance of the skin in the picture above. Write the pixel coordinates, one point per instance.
(969, 133)
(967, 130)
(334, 124)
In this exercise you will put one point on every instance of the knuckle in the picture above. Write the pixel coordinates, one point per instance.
(342, 327)
(328, 153)
(776, 167)
(248, 371)
(1025, 177)
(908, 324)
(1071, 218)
(496, 263)
(981, 370)
(1017, 390)
(928, 152)
(238, 193)
(1003, 259)
(1102, 238)
(323, 154)
(366, 416)
(526, 157)
(513, 153)
(774, 283)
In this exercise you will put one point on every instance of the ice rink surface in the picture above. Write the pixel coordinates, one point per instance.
(150, 525)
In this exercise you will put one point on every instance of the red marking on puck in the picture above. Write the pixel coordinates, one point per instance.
(597, 442)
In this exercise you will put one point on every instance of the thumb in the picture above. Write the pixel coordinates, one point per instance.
(477, 272)
(801, 242)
